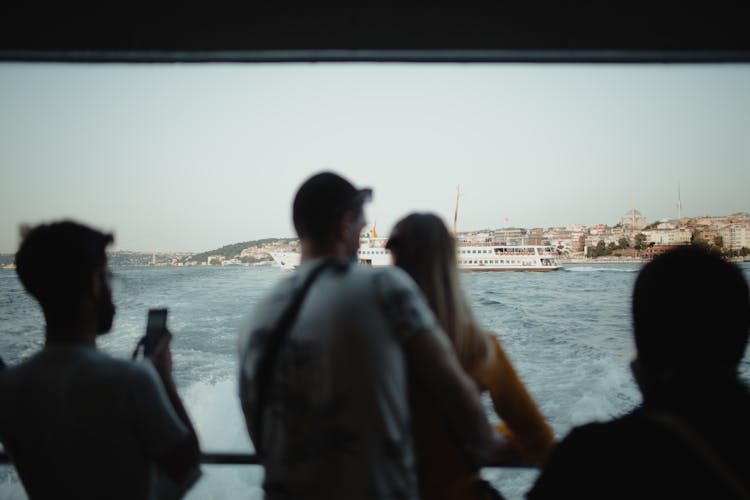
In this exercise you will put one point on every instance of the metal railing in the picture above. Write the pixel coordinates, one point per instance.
(223, 458)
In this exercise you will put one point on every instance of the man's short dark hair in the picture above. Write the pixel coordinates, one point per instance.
(55, 261)
(690, 309)
(321, 201)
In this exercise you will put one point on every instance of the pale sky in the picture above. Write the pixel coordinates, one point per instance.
(188, 157)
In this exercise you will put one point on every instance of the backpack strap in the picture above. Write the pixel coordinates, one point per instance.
(276, 340)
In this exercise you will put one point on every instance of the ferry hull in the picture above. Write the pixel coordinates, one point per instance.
(547, 269)
(474, 258)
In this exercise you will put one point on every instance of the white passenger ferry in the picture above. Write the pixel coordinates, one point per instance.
(470, 256)
(287, 261)
(489, 257)
(371, 252)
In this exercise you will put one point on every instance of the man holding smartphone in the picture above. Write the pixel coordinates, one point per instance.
(76, 422)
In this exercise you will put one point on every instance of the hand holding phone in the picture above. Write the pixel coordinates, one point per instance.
(156, 331)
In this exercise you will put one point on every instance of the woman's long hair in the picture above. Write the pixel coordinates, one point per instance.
(423, 247)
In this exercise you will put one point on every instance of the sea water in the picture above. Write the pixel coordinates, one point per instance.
(568, 333)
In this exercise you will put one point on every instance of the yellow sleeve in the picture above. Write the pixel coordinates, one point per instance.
(523, 424)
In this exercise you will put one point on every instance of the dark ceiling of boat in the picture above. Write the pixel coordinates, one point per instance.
(469, 30)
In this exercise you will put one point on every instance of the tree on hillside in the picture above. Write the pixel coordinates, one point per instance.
(234, 250)
(640, 239)
(623, 243)
(697, 239)
(719, 241)
(599, 250)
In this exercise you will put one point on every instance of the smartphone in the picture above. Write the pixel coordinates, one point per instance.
(156, 327)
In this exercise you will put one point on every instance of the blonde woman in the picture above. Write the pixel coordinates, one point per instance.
(423, 247)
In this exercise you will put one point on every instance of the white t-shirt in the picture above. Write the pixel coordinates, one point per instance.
(80, 424)
(337, 421)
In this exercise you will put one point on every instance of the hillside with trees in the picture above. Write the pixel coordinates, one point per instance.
(233, 250)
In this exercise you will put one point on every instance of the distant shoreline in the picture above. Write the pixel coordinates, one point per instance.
(624, 260)
(604, 260)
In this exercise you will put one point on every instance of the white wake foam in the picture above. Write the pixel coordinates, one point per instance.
(603, 269)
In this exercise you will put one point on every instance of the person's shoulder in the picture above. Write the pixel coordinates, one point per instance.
(282, 287)
(270, 303)
(590, 433)
(582, 464)
(64, 358)
(603, 434)
(267, 310)
(122, 372)
(394, 274)
(7, 374)
(401, 300)
(359, 280)
(139, 377)
(620, 440)
(101, 364)
(104, 363)
(386, 281)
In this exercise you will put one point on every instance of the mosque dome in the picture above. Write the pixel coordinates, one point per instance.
(633, 218)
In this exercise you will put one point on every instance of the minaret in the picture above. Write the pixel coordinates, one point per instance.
(679, 205)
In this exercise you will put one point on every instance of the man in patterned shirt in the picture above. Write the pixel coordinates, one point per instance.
(336, 422)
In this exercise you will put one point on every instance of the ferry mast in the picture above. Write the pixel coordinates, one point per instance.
(455, 213)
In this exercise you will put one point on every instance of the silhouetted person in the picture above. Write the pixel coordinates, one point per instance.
(76, 422)
(691, 436)
(443, 470)
(334, 422)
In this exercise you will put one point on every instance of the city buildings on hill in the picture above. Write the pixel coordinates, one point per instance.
(730, 233)
(736, 236)
(631, 236)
